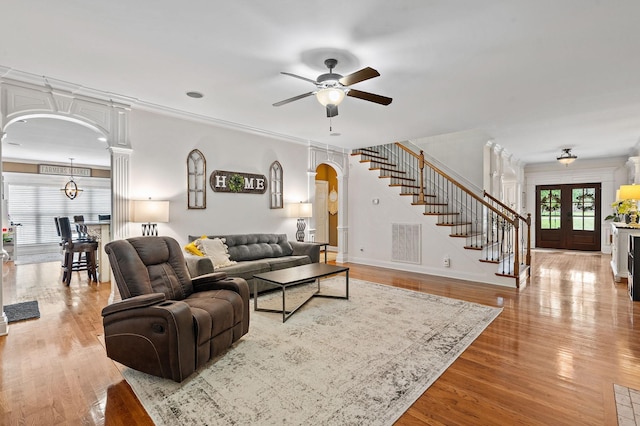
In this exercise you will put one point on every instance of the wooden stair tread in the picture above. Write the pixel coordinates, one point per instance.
(384, 169)
(397, 177)
(393, 185)
(490, 261)
(464, 235)
(373, 151)
(473, 247)
(373, 157)
(438, 214)
(453, 223)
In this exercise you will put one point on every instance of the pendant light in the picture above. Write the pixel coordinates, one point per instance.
(71, 189)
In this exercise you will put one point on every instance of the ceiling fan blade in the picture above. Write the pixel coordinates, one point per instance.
(295, 98)
(332, 110)
(358, 76)
(299, 76)
(371, 97)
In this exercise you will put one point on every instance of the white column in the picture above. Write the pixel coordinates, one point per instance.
(4, 324)
(120, 172)
(343, 222)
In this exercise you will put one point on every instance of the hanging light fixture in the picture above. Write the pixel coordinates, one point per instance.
(71, 189)
(566, 157)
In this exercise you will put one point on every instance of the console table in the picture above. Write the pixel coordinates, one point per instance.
(620, 248)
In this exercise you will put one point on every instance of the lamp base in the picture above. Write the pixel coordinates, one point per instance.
(149, 230)
(300, 233)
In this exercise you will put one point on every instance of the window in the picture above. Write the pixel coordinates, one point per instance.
(35, 206)
(583, 209)
(197, 180)
(550, 203)
(275, 173)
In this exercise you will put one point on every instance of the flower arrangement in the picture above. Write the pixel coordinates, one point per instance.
(620, 208)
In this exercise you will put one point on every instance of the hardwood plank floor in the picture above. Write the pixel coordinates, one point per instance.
(550, 358)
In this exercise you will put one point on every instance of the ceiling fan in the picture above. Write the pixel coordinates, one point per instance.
(331, 88)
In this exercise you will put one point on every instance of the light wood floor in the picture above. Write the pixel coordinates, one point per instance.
(550, 358)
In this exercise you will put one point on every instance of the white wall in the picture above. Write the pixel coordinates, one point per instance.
(462, 152)
(159, 170)
(611, 173)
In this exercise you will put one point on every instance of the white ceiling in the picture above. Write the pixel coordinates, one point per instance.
(535, 76)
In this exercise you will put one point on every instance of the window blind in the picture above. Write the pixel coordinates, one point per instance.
(35, 206)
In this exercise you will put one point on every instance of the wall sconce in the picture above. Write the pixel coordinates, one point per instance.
(301, 211)
(149, 213)
(566, 157)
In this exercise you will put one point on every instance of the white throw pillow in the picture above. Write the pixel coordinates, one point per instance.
(216, 249)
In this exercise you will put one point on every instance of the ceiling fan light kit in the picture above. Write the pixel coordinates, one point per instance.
(331, 88)
(330, 96)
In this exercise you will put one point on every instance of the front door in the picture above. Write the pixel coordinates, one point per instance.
(568, 216)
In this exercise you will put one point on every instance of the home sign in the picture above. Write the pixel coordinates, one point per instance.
(237, 182)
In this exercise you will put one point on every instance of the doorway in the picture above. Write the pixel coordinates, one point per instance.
(326, 203)
(567, 216)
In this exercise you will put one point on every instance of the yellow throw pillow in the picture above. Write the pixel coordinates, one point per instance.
(191, 248)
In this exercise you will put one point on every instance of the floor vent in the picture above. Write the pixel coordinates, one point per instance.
(405, 242)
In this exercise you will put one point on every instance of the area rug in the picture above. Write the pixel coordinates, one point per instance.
(22, 311)
(361, 361)
(627, 405)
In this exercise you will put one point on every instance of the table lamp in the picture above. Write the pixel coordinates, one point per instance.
(631, 192)
(150, 213)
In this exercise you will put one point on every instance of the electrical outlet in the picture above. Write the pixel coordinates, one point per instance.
(446, 262)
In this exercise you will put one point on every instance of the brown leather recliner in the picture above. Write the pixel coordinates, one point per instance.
(169, 324)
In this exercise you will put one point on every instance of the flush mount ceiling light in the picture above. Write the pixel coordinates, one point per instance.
(566, 157)
(71, 189)
(195, 95)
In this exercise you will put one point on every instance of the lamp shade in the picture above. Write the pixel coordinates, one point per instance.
(300, 210)
(330, 96)
(151, 211)
(629, 192)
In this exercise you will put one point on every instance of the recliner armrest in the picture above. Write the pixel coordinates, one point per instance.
(204, 282)
(198, 265)
(141, 301)
(310, 249)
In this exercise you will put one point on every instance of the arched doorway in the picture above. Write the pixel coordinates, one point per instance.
(37, 153)
(326, 202)
(24, 95)
(336, 159)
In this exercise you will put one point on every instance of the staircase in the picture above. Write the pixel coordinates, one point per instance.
(500, 235)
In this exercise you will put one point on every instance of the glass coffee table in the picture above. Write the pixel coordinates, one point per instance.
(288, 277)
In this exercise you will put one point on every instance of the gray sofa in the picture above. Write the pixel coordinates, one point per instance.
(255, 254)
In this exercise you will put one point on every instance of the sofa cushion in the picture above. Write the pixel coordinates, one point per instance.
(287, 262)
(257, 246)
(216, 249)
(246, 269)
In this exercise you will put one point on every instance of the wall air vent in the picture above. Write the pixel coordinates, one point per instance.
(406, 242)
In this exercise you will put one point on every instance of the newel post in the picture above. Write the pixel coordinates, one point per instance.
(421, 196)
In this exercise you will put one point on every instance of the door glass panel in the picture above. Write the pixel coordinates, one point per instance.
(550, 208)
(583, 209)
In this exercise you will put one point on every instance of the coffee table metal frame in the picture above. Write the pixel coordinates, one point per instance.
(288, 277)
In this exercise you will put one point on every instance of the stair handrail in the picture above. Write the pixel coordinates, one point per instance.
(422, 162)
(526, 220)
(503, 205)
